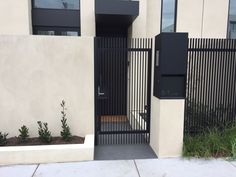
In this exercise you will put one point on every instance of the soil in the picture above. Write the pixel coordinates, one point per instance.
(220, 155)
(14, 141)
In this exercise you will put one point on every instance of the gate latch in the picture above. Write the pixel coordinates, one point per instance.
(99, 92)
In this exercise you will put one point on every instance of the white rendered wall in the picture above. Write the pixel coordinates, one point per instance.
(167, 127)
(36, 73)
(87, 15)
(189, 17)
(139, 26)
(154, 128)
(147, 24)
(171, 128)
(15, 17)
(203, 18)
(215, 19)
(200, 18)
(153, 17)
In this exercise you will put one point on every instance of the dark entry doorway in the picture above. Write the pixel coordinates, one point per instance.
(111, 31)
(122, 90)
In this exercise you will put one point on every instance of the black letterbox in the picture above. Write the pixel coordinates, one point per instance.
(170, 70)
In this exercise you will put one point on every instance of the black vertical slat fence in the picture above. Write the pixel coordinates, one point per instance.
(122, 90)
(211, 85)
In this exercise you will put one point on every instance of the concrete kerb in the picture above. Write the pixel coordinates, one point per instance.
(48, 153)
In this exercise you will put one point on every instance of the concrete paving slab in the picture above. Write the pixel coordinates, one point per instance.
(17, 170)
(124, 152)
(185, 168)
(89, 169)
(233, 163)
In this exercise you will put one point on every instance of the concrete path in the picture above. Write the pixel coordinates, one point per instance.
(174, 167)
(124, 152)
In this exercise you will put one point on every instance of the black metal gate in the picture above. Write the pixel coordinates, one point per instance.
(122, 90)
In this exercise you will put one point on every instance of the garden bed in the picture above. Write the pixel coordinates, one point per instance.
(212, 143)
(35, 154)
(14, 141)
(45, 148)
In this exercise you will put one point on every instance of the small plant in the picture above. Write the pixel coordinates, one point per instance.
(44, 133)
(233, 144)
(3, 138)
(65, 133)
(24, 133)
(212, 143)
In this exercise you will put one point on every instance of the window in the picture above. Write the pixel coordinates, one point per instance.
(68, 33)
(232, 32)
(56, 17)
(57, 4)
(56, 31)
(232, 20)
(51, 33)
(168, 17)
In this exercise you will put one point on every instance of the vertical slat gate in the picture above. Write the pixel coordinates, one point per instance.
(211, 85)
(122, 90)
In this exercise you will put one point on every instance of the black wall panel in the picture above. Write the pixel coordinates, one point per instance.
(171, 53)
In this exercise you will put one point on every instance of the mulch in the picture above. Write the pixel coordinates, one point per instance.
(15, 141)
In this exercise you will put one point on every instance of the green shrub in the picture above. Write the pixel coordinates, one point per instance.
(3, 138)
(24, 133)
(44, 133)
(233, 144)
(194, 147)
(211, 143)
(65, 133)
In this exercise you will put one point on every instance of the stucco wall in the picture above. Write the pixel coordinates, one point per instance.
(147, 24)
(36, 73)
(138, 28)
(171, 128)
(88, 23)
(155, 116)
(189, 17)
(15, 17)
(153, 17)
(215, 18)
(203, 18)
(200, 18)
(167, 127)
